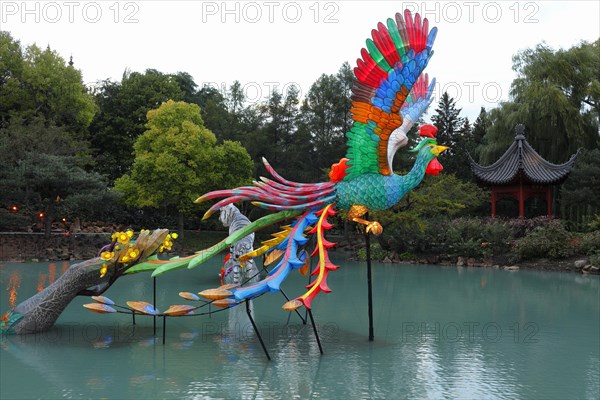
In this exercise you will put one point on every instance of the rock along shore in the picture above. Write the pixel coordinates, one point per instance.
(22, 247)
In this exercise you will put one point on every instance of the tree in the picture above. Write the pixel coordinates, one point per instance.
(279, 129)
(188, 87)
(448, 122)
(177, 159)
(122, 116)
(296, 143)
(454, 132)
(580, 195)
(44, 167)
(478, 133)
(214, 112)
(556, 95)
(37, 82)
(43, 180)
(235, 98)
(13, 97)
(36, 135)
(465, 144)
(326, 117)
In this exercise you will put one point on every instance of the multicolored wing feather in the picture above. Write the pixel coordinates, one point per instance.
(416, 103)
(390, 66)
(419, 99)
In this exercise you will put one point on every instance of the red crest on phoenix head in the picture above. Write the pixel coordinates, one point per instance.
(428, 130)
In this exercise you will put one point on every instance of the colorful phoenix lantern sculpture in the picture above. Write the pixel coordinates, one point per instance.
(389, 95)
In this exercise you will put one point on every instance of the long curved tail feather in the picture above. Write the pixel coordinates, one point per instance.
(289, 261)
(290, 242)
(299, 206)
(311, 203)
(278, 195)
(323, 267)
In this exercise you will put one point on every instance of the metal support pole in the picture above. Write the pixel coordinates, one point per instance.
(133, 316)
(164, 327)
(297, 312)
(312, 321)
(154, 301)
(310, 269)
(256, 330)
(369, 283)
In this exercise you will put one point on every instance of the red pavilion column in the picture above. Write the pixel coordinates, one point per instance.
(493, 202)
(549, 201)
(521, 202)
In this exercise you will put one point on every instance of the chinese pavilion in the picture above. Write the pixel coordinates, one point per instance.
(521, 173)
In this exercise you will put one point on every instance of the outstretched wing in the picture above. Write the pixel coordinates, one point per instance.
(416, 103)
(385, 75)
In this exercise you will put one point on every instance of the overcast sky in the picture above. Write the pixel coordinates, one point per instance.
(265, 44)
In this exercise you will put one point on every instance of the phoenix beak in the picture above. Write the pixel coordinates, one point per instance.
(437, 150)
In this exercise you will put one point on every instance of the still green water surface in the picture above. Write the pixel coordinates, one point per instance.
(439, 333)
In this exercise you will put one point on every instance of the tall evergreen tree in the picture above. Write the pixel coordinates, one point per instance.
(478, 133)
(448, 122)
(454, 132)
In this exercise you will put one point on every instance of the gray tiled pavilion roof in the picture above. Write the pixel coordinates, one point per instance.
(521, 158)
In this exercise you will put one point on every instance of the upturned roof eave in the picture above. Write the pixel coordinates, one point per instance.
(525, 160)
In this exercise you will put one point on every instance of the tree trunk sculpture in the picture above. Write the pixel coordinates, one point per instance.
(88, 278)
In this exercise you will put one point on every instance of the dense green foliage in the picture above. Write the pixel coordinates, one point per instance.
(474, 237)
(41, 181)
(38, 83)
(45, 172)
(581, 192)
(122, 116)
(177, 159)
(549, 241)
(415, 223)
(495, 240)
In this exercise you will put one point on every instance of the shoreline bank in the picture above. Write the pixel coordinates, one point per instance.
(19, 247)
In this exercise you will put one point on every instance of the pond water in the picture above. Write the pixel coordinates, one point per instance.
(440, 332)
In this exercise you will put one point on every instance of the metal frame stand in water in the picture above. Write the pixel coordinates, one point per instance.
(369, 283)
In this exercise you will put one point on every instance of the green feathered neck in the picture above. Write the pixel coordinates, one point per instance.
(411, 180)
